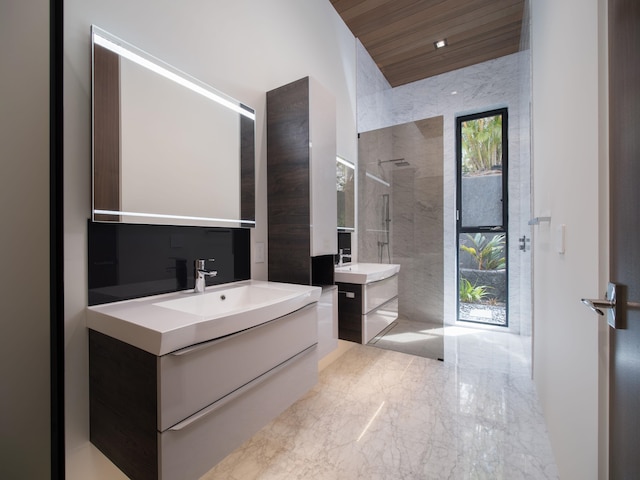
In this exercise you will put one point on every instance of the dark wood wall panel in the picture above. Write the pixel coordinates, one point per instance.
(106, 136)
(247, 169)
(288, 187)
(289, 259)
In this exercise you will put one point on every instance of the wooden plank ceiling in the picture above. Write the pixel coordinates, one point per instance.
(400, 34)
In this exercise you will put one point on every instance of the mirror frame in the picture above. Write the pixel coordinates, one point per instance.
(246, 142)
(349, 165)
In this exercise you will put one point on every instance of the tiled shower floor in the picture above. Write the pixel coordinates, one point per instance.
(415, 338)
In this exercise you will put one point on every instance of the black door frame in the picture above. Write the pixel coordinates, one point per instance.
(624, 234)
(56, 237)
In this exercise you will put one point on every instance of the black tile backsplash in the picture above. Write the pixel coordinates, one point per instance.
(344, 244)
(130, 261)
(344, 241)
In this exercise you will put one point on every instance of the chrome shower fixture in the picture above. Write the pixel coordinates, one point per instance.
(385, 228)
(398, 162)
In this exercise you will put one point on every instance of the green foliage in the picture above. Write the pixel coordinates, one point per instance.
(488, 254)
(482, 144)
(472, 293)
(341, 177)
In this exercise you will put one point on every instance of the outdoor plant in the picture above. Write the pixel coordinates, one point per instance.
(488, 254)
(471, 293)
(482, 144)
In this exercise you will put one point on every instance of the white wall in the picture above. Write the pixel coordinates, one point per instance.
(25, 446)
(243, 48)
(567, 140)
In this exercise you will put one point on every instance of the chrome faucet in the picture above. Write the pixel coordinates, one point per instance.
(200, 273)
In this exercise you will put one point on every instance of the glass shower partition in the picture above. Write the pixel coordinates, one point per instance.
(401, 221)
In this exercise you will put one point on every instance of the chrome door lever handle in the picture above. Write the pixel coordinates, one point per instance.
(597, 305)
(616, 305)
(609, 304)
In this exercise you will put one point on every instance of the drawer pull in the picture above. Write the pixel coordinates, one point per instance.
(240, 391)
(348, 294)
(216, 341)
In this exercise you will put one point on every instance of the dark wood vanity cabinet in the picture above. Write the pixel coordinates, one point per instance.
(350, 312)
(174, 416)
(123, 405)
(364, 310)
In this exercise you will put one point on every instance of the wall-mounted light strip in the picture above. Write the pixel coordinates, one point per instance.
(179, 78)
(173, 217)
(378, 179)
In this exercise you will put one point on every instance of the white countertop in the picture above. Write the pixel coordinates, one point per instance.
(157, 329)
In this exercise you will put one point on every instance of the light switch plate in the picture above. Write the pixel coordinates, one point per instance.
(259, 252)
(560, 239)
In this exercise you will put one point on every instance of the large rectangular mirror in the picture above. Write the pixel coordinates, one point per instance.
(167, 148)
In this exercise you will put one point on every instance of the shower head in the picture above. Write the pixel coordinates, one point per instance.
(398, 162)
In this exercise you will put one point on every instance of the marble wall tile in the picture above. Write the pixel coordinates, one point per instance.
(373, 101)
(503, 82)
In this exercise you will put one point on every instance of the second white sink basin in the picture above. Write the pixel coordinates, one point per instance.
(363, 273)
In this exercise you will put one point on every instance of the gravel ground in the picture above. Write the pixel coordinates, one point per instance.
(476, 312)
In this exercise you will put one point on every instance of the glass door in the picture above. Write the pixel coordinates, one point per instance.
(482, 217)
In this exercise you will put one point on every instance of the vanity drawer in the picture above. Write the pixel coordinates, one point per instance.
(195, 377)
(379, 319)
(377, 293)
(192, 447)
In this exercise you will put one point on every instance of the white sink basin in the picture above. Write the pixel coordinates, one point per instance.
(363, 273)
(220, 303)
(161, 324)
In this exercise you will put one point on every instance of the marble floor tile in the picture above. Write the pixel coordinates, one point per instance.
(380, 414)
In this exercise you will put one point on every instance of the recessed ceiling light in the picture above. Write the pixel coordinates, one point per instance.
(440, 43)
